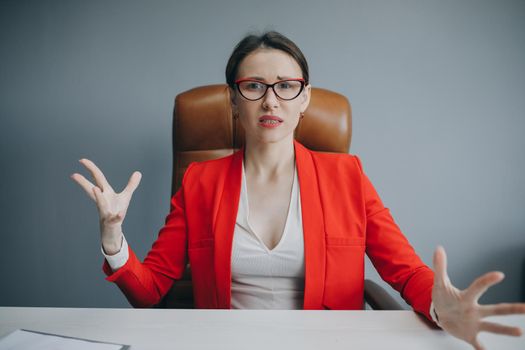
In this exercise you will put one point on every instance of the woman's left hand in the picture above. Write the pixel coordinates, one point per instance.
(458, 311)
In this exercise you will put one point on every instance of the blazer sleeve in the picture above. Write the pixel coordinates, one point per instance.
(144, 284)
(392, 255)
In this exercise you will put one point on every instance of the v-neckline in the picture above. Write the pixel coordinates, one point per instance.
(244, 192)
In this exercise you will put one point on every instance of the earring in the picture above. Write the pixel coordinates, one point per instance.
(301, 115)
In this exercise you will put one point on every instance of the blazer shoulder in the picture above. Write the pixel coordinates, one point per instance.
(337, 161)
(216, 163)
(208, 170)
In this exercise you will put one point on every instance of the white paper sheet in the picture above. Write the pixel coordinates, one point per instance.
(22, 339)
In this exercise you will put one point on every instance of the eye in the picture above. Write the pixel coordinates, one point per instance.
(284, 85)
(253, 85)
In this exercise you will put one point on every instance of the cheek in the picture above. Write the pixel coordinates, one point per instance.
(245, 112)
(294, 110)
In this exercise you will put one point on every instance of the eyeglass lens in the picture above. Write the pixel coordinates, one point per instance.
(286, 89)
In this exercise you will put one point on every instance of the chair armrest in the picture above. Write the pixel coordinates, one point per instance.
(378, 298)
(180, 295)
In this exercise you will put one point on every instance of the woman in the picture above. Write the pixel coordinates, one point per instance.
(276, 225)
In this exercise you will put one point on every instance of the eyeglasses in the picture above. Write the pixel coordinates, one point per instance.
(254, 90)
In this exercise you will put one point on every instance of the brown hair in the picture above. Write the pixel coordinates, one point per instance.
(271, 40)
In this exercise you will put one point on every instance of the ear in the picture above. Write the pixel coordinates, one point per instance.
(306, 94)
(233, 96)
(233, 99)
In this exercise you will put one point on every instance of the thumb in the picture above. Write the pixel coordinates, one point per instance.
(440, 266)
(133, 183)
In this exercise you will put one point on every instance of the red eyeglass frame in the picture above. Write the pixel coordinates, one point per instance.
(238, 81)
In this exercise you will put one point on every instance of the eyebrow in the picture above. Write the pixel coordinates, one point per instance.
(262, 79)
(256, 78)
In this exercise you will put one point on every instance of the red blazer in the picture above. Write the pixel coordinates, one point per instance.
(343, 218)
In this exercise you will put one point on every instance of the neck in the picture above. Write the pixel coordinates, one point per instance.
(269, 160)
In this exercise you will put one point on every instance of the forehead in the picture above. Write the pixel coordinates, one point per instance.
(269, 64)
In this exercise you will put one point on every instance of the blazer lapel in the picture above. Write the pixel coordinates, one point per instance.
(313, 228)
(224, 227)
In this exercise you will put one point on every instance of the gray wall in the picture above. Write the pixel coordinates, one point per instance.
(437, 89)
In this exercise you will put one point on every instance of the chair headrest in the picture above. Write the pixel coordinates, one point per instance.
(204, 128)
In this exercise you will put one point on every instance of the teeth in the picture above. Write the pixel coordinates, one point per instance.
(269, 121)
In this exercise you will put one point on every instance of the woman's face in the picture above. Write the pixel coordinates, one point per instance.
(269, 119)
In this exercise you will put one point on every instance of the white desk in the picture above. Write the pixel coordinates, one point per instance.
(153, 329)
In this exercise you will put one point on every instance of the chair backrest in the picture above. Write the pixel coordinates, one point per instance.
(204, 128)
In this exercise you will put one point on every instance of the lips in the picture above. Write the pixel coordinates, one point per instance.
(270, 121)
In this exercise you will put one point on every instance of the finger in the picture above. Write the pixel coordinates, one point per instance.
(86, 185)
(499, 329)
(97, 174)
(101, 201)
(477, 345)
(133, 183)
(440, 266)
(502, 309)
(482, 283)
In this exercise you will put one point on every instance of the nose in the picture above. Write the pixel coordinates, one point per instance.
(270, 100)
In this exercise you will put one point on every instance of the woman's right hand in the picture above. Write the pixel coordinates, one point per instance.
(112, 207)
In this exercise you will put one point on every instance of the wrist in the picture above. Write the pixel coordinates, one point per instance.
(119, 259)
(110, 231)
(112, 245)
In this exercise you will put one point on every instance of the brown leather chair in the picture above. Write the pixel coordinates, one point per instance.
(204, 128)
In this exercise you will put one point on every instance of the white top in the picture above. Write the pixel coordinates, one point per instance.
(264, 278)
